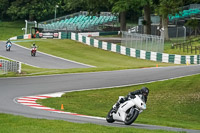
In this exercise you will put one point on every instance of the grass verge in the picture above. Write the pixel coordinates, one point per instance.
(173, 103)
(72, 50)
(68, 49)
(11, 29)
(19, 124)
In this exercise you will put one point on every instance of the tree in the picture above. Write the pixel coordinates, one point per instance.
(165, 8)
(147, 16)
(88, 5)
(4, 5)
(31, 9)
(193, 23)
(121, 6)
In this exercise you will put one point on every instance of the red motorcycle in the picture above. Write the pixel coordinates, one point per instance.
(33, 51)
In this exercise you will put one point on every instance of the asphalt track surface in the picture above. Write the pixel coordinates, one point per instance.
(12, 88)
(41, 60)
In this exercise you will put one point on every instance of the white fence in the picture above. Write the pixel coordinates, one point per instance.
(143, 42)
(9, 66)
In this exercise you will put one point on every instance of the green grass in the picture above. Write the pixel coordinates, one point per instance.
(19, 124)
(168, 49)
(11, 29)
(9, 74)
(183, 109)
(173, 103)
(68, 49)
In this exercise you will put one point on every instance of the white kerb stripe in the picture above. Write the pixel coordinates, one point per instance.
(142, 54)
(87, 40)
(133, 53)
(177, 59)
(80, 38)
(104, 45)
(187, 59)
(165, 58)
(153, 56)
(123, 50)
(96, 43)
(73, 36)
(113, 47)
(59, 35)
(195, 59)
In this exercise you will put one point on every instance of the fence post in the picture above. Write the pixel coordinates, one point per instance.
(199, 50)
(20, 67)
(195, 49)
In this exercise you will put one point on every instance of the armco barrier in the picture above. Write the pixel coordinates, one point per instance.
(154, 56)
(9, 66)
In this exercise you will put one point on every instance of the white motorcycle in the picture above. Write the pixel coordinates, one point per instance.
(127, 111)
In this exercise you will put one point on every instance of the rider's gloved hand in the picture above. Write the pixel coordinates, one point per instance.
(131, 96)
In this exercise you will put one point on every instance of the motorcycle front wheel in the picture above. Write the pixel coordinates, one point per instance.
(131, 117)
(109, 117)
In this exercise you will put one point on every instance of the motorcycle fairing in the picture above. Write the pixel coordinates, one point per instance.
(121, 113)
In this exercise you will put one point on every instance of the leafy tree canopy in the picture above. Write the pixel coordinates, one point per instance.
(31, 9)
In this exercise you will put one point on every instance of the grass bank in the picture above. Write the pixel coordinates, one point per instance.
(11, 29)
(19, 124)
(173, 103)
(72, 50)
(103, 60)
(168, 48)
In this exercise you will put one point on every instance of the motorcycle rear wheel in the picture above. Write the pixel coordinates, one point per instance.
(109, 117)
(130, 119)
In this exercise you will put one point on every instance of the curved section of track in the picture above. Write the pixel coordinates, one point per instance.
(11, 88)
(41, 60)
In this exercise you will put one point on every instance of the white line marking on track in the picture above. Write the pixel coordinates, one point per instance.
(19, 61)
(32, 99)
(56, 56)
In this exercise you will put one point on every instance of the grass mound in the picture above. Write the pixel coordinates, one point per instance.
(170, 103)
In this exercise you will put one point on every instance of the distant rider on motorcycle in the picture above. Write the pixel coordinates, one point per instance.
(144, 91)
(34, 46)
(8, 42)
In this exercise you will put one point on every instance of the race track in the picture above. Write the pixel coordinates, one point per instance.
(41, 60)
(12, 88)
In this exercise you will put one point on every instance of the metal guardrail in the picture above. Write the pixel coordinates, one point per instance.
(143, 42)
(9, 66)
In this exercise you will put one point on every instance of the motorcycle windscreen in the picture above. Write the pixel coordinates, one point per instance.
(139, 103)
